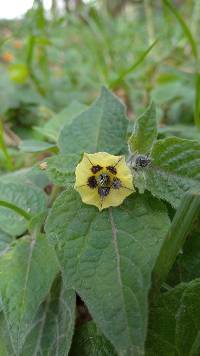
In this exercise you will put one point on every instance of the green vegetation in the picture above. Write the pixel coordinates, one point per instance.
(121, 77)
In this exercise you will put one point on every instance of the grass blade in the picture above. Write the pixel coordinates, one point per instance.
(188, 34)
(184, 26)
(131, 68)
(197, 100)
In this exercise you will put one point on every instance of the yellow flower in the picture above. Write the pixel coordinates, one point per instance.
(7, 57)
(103, 180)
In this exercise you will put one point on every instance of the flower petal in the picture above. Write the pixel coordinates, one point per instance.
(83, 171)
(103, 158)
(89, 196)
(115, 197)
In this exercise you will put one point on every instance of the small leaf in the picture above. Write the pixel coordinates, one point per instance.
(36, 146)
(61, 168)
(18, 72)
(53, 326)
(102, 127)
(54, 126)
(26, 197)
(145, 132)
(107, 258)
(89, 341)
(27, 272)
(174, 324)
(175, 169)
(162, 324)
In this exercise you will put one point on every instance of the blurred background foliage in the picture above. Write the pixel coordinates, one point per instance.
(142, 50)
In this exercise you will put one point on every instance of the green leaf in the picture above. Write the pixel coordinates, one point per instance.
(88, 340)
(184, 26)
(4, 149)
(32, 175)
(53, 326)
(188, 321)
(185, 131)
(174, 325)
(108, 258)
(5, 241)
(187, 265)
(27, 271)
(54, 126)
(102, 127)
(18, 72)
(28, 198)
(181, 225)
(115, 83)
(162, 324)
(145, 131)
(60, 168)
(5, 342)
(36, 146)
(175, 169)
(197, 100)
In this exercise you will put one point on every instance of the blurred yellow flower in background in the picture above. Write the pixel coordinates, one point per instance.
(103, 180)
(7, 57)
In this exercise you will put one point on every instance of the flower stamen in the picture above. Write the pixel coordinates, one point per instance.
(96, 169)
(103, 180)
(92, 182)
(103, 191)
(111, 169)
(116, 183)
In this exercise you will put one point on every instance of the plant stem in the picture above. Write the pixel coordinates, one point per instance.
(188, 211)
(3, 147)
(15, 208)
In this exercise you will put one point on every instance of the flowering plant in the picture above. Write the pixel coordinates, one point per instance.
(103, 180)
(76, 262)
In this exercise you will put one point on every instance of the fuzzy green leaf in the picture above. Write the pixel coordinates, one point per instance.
(27, 271)
(53, 326)
(26, 197)
(6, 348)
(145, 131)
(61, 168)
(32, 175)
(89, 341)
(102, 127)
(174, 326)
(36, 146)
(187, 265)
(162, 324)
(175, 169)
(108, 258)
(5, 241)
(54, 126)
